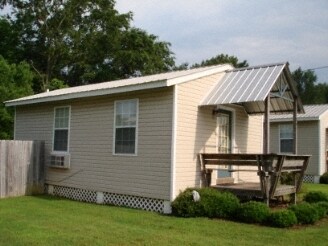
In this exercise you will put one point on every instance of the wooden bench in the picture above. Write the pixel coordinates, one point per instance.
(269, 169)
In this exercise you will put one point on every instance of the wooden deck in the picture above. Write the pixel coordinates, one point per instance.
(269, 170)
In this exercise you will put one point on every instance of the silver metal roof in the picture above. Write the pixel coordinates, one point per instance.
(251, 86)
(312, 112)
(119, 86)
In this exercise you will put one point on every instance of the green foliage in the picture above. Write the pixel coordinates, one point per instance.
(324, 206)
(282, 219)
(315, 196)
(185, 206)
(321, 209)
(57, 84)
(305, 213)
(253, 212)
(219, 204)
(309, 91)
(82, 41)
(15, 82)
(324, 178)
(213, 204)
(222, 59)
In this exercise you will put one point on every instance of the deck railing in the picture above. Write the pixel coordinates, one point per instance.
(270, 167)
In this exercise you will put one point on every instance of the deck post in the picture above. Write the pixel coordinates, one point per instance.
(266, 126)
(295, 125)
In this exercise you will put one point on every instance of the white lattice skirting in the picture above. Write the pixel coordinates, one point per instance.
(308, 179)
(149, 204)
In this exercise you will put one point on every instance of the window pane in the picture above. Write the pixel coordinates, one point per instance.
(286, 131)
(60, 140)
(61, 117)
(286, 145)
(125, 140)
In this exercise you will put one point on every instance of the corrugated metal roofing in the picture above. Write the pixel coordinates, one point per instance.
(312, 112)
(251, 86)
(119, 86)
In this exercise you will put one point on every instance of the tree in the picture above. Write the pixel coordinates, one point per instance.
(305, 81)
(83, 41)
(9, 41)
(222, 59)
(15, 82)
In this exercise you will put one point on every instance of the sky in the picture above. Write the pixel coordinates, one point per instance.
(259, 31)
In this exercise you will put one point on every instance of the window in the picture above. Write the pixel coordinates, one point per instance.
(61, 129)
(125, 126)
(286, 138)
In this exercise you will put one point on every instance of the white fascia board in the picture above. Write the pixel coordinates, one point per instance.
(100, 92)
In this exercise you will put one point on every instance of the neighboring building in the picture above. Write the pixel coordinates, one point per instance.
(312, 137)
(135, 142)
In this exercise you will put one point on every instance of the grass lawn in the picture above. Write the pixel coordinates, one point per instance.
(45, 220)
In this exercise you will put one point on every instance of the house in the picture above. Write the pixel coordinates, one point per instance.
(312, 137)
(135, 142)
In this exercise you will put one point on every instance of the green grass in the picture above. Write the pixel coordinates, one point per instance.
(45, 220)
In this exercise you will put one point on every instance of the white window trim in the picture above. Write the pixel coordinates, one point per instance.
(279, 142)
(137, 127)
(68, 134)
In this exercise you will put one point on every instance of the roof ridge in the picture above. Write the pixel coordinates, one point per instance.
(258, 66)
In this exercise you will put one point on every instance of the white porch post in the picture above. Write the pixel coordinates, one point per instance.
(266, 126)
(295, 125)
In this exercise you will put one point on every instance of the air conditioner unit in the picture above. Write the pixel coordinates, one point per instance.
(60, 160)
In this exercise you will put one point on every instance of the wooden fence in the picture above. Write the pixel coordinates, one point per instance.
(21, 168)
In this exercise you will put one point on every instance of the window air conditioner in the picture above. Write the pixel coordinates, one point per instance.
(60, 160)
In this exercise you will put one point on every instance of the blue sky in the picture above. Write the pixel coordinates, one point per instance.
(260, 32)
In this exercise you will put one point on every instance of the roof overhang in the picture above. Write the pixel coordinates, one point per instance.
(251, 86)
(121, 86)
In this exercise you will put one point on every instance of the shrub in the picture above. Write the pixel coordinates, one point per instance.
(185, 206)
(324, 178)
(253, 212)
(282, 218)
(315, 196)
(324, 207)
(220, 204)
(213, 204)
(305, 213)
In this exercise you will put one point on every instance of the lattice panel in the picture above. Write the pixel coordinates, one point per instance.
(144, 203)
(75, 194)
(308, 179)
(148, 204)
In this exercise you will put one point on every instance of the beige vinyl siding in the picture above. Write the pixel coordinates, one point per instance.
(323, 143)
(308, 142)
(248, 139)
(195, 131)
(93, 165)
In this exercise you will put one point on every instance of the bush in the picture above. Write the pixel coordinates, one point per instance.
(305, 213)
(185, 206)
(315, 196)
(324, 207)
(282, 219)
(324, 178)
(253, 212)
(213, 204)
(220, 204)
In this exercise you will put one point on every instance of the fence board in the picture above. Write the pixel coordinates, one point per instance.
(21, 168)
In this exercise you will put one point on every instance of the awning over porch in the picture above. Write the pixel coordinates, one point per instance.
(260, 90)
(251, 86)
